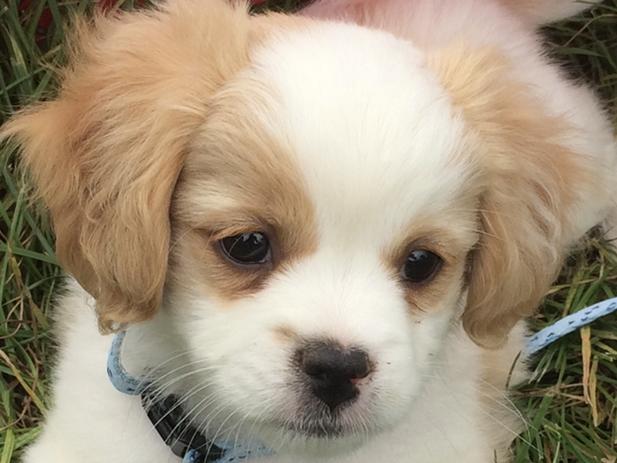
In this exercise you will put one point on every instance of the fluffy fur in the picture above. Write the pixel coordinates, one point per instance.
(351, 134)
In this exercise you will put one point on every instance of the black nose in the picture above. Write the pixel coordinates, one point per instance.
(333, 371)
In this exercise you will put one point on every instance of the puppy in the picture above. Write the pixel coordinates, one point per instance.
(320, 231)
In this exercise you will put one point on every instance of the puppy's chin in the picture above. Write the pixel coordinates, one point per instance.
(311, 430)
(317, 441)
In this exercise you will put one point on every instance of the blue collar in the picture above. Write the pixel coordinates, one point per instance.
(193, 447)
(166, 415)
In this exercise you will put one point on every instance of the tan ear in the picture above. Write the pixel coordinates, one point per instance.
(530, 180)
(105, 155)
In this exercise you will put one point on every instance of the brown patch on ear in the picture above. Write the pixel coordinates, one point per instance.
(530, 182)
(105, 155)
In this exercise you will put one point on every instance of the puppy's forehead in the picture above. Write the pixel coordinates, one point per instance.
(368, 123)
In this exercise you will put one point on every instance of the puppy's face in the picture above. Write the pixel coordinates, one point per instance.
(313, 205)
(322, 224)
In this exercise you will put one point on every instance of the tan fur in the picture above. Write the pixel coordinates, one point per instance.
(105, 155)
(237, 179)
(286, 334)
(529, 178)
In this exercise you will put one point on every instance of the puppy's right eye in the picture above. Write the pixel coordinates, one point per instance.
(247, 249)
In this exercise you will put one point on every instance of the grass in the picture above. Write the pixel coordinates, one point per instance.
(571, 403)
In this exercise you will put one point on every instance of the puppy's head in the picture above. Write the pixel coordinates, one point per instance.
(312, 204)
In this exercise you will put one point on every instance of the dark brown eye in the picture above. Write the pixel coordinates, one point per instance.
(247, 249)
(421, 266)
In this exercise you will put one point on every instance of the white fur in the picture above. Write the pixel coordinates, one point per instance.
(91, 421)
(373, 134)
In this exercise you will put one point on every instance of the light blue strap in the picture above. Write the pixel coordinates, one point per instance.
(118, 376)
(569, 324)
(233, 454)
(127, 384)
(192, 456)
(241, 452)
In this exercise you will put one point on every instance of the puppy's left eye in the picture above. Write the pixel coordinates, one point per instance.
(421, 266)
(247, 248)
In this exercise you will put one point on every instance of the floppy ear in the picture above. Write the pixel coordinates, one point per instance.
(528, 193)
(539, 12)
(105, 155)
